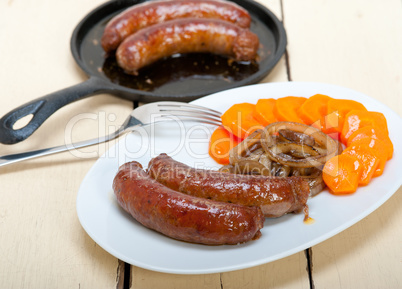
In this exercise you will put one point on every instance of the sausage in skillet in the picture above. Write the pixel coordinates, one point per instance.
(186, 35)
(148, 13)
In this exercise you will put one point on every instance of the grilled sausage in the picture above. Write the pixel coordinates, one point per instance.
(142, 15)
(275, 195)
(185, 36)
(181, 216)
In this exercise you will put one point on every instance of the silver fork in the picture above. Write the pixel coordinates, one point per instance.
(139, 117)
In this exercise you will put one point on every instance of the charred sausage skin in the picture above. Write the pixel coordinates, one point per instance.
(186, 35)
(181, 216)
(276, 196)
(148, 13)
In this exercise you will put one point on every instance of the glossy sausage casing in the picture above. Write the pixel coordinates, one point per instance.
(143, 15)
(181, 216)
(275, 195)
(186, 35)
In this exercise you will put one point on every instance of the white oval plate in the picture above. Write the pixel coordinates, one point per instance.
(120, 235)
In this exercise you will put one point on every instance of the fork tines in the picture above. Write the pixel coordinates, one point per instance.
(189, 112)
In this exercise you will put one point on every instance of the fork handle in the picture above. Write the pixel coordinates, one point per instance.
(13, 158)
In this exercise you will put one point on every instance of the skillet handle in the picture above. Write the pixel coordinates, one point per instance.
(43, 107)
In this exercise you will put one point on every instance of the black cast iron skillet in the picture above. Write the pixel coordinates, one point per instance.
(178, 78)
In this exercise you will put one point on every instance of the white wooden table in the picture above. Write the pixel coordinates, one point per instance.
(351, 43)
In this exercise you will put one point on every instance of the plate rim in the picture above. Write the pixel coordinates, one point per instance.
(394, 187)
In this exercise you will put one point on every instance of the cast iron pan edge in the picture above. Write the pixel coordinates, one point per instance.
(43, 107)
(104, 10)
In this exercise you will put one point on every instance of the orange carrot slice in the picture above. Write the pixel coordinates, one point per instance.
(368, 159)
(375, 133)
(220, 144)
(341, 174)
(239, 120)
(264, 111)
(286, 108)
(314, 109)
(336, 111)
(378, 146)
(356, 119)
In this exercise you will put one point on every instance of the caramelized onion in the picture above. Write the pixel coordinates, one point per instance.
(280, 170)
(246, 147)
(316, 185)
(296, 137)
(255, 155)
(285, 149)
(290, 149)
(314, 178)
(246, 167)
(265, 161)
(298, 154)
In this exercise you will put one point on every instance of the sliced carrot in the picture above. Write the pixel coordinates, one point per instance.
(264, 111)
(341, 174)
(368, 159)
(220, 144)
(314, 109)
(286, 108)
(356, 119)
(239, 120)
(336, 111)
(378, 146)
(375, 133)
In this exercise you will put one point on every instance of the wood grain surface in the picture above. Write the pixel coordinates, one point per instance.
(351, 43)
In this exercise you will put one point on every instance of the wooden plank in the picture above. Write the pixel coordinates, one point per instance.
(42, 244)
(290, 272)
(145, 279)
(367, 255)
(356, 44)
